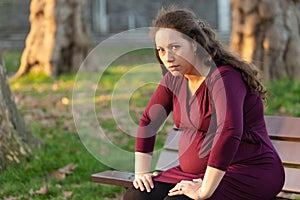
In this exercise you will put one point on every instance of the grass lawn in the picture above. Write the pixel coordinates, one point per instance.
(46, 106)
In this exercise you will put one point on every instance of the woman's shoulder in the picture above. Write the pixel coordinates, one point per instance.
(225, 75)
(224, 70)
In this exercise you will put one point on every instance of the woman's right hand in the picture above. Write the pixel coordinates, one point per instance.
(144, 181)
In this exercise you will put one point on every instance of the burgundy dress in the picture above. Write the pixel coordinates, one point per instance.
(222, 127)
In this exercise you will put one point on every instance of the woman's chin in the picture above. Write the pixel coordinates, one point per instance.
(176, 73)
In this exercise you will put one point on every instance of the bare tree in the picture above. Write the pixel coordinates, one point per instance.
(16, 141)
(267, 32)
(58, 40)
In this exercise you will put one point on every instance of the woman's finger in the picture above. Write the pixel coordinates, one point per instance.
(177, 190)
(184, 182)
(198, 180)
(140, 184)
(150, 181)
(135, 184)
(175, 193)
(146, 182)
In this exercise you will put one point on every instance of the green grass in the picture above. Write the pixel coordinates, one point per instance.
(40, 101)
(12, 60)
(60, 149)
(284, 97)
(45, 104)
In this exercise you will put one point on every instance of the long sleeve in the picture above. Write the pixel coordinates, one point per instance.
(156, 112)
(228, 94)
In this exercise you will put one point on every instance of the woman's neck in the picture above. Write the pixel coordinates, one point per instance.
(196, 77)
(194, 82)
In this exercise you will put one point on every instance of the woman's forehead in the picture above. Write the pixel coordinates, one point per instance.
(167, 35)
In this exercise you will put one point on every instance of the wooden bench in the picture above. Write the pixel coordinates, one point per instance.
(285, 136)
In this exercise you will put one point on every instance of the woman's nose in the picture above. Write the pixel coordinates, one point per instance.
(169, 56)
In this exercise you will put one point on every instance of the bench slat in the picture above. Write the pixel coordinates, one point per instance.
(288, 152)
(283, 128)
(292, 180)
(167, 159)
(113, 177)
(172, 140)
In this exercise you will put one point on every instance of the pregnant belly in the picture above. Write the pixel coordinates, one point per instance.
(193, 152)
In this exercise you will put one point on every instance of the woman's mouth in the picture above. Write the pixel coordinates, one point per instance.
(173, 66)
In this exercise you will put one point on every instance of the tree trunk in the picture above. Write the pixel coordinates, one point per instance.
(16, 141)
(267, 33)
(58, 40)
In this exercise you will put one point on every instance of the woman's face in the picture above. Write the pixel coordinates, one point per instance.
(176, 52)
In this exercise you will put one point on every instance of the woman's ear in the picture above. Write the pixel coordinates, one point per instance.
(194, 46)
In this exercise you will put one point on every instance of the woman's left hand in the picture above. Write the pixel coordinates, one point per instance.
(188, 188)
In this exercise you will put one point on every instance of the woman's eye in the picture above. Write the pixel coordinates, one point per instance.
(160, 50)
(175, 47)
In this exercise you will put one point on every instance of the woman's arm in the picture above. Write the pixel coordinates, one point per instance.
(228, 93)
(211, 180)
(157, 110)
(143, 178)
(198, 189)
(142, 162)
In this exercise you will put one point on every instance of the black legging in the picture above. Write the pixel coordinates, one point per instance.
(159, 192)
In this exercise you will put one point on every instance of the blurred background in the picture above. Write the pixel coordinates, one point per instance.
(105, 17)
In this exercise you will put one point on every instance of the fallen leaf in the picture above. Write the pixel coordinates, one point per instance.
(68, 169)
(31, 192)
(67, 194)
(22, 150)
(9, 157)
(58, 175)
(42, 190)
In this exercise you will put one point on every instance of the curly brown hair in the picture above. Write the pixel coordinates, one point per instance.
(186, 22)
